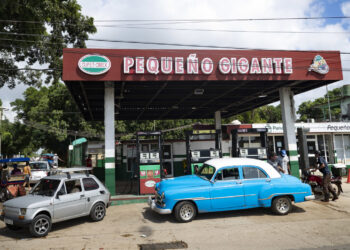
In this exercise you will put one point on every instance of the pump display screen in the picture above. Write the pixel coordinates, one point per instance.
(144, 156)
(196, 154)
(154, 155)
(214, 154)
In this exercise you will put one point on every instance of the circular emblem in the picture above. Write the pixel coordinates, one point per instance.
(150, 184)
(94, 64)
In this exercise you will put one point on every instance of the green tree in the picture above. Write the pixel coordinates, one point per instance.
(51, 119)
(264, 114)
(36, 32)
(318, 109)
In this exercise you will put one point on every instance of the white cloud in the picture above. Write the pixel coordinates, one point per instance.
(224, 9)
(345, 8)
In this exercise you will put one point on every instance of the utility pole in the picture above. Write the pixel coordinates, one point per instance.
(1, 111)
(329, 106)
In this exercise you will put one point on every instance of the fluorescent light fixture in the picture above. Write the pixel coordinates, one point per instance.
(199, 91)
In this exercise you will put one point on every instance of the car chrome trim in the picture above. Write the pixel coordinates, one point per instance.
(280, 194)
(154, 207)
(309, 197)
(203, 198)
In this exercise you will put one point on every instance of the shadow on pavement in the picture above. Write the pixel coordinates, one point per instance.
(23, 233)
(152, 216)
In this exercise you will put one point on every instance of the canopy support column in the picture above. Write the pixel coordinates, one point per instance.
(109, 137)
(288, 117)
(218, 134)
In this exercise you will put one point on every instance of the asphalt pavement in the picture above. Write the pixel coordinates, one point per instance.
(311, 225)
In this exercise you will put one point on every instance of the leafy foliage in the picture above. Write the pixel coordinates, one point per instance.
(51, 119)
(313, 109)
(264, 114)
(37, 32)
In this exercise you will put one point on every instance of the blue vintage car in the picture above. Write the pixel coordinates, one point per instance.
(229, 184)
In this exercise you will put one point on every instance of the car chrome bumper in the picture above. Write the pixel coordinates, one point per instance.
(154, 207)
(309, 197)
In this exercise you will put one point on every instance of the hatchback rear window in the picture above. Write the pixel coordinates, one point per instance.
(90, 184)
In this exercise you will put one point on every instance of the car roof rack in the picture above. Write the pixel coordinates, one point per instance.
(68, 171)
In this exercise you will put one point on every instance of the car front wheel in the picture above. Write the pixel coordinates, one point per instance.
(40, 226)
(185, 211)
(98, 212)
(281, 205)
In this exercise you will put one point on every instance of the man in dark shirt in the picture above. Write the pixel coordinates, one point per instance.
(273, 161)
(323, 167)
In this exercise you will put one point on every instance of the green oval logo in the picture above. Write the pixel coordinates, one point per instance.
(94, 64)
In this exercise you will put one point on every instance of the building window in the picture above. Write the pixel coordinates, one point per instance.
(243, 141)
(270, 146)
(131, 164)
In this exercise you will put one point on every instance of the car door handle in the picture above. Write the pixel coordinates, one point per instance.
(239, 182)
(102, 192)
(82, 196)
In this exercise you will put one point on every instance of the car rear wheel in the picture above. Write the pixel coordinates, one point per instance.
(185, 211)
(40, 226)
(98, 212)
(281, 205)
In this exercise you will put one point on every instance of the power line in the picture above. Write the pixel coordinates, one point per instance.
(193, 20)
(227, 31)
(171, 44)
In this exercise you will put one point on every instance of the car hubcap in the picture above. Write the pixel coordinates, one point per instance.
(282, 205)
(41, 226)
(186, 212)
(99, 212)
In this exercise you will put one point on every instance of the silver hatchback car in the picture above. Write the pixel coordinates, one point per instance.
(55, 198)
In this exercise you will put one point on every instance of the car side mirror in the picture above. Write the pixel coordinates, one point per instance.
(58, 196)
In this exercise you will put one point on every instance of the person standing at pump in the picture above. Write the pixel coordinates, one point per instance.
(283, 162)
(322, 166)
(89, 162)
(28, 173)
(55, 161)
(273, 161)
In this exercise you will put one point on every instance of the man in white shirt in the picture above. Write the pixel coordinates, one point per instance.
(283, 161)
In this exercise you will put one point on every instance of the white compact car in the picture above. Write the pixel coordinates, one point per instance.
(39, 169)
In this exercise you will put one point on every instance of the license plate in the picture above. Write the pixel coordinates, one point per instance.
(8, 221)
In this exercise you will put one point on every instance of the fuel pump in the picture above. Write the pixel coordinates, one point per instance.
(149, 162)
(250, 151)
(196, 157)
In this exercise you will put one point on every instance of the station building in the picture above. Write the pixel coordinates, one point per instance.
(110, 85)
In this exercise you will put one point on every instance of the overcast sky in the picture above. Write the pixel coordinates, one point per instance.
(223, 9)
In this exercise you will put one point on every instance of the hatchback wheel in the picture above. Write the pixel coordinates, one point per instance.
(185, 211)
(98, 212)
(40, 226)
(281, 205)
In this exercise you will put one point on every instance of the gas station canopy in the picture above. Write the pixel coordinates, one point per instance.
(189, 84)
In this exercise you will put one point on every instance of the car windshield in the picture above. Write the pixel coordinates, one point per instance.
(38, 166)
(206, 172)
(45, 187)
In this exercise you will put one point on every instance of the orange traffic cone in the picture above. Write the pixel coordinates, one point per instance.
(348, 181)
